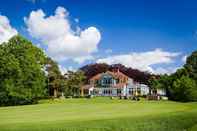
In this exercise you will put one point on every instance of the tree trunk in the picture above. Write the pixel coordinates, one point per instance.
(82, 92)
(55, 92)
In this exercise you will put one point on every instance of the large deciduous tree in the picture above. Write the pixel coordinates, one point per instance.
(22, 78)
(54, 77)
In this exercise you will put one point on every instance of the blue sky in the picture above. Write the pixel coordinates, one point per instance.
(127, 28)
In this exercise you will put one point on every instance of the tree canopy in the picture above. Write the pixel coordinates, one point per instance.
(22, 78)
(26, 74)
(73, 82)
(191, 65)
(54, 77)
(181, 85)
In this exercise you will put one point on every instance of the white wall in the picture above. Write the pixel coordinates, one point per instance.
(161, 92)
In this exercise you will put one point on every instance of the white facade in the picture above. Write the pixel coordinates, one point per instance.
(132, 88)
(108, 84)
(161, 92)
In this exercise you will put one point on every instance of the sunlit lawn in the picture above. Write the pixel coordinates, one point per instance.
(100, 114)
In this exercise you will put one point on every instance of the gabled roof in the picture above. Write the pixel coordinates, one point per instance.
(113, 74)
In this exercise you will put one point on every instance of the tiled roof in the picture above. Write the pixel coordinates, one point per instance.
(114, 74)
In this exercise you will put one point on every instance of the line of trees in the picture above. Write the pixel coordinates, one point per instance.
(27, 74)
(181, 85)
(58, 84)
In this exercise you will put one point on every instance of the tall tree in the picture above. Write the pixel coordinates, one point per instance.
(73, 82)
(184, 89)
(191, 65)
(54, 77)
(22, 78)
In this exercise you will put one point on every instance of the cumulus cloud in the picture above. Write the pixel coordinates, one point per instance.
(142, 61)
(6, 30)
(62, 42)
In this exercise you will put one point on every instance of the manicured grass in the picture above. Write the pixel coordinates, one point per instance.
(100, 114)
(194, 128)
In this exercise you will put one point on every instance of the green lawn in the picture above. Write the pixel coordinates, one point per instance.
(100, 114)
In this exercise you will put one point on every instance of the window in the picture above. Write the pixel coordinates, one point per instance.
(138, 91)
(130, 91)
(119, 91)
(117, 81)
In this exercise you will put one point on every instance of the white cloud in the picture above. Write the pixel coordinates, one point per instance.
(64, 70)
(184, 58)
(166, 70)
(6, 30)
(62, 42)
(82, 59)
(143, 60)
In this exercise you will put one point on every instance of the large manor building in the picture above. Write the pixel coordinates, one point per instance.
(115, 83)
